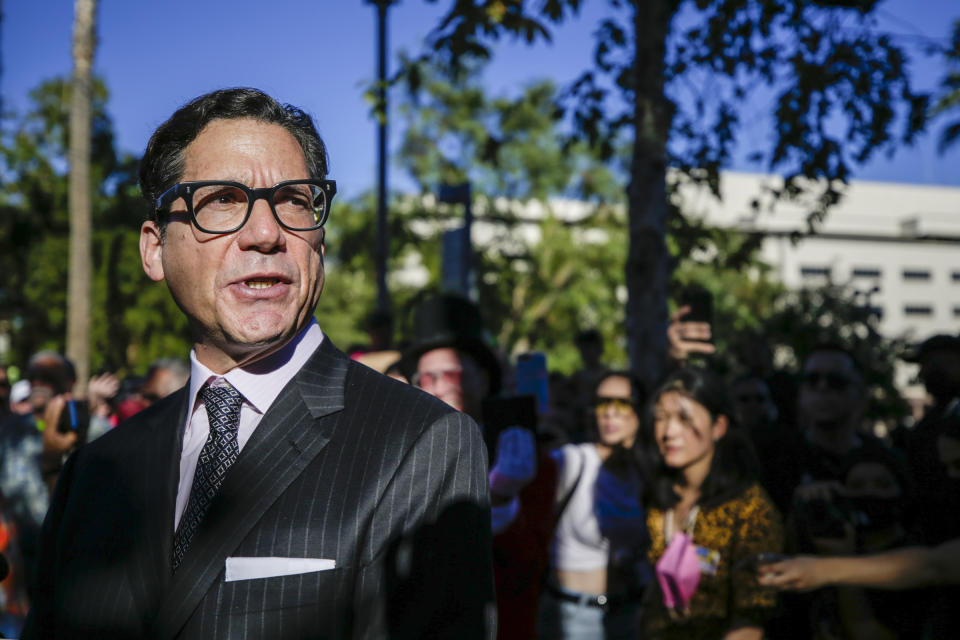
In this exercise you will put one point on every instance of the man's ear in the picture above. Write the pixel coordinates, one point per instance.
(720, 427)
(151, 250)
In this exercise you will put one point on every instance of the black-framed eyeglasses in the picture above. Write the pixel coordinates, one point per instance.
(224, 207)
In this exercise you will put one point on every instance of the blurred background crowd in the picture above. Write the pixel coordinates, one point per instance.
(620, 509)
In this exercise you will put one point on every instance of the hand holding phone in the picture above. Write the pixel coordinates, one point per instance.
(516, 462)
(690, 330)
(532, 378)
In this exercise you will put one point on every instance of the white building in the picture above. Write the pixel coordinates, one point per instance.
(897, 243)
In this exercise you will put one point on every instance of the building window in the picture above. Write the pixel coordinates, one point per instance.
(956, 276)
(878, 312)
(918, 310)
(815, 272)
(916, 274)
(956, 312)
(866, 272)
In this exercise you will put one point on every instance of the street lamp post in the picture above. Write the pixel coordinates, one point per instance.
(461, 194)
(383, 294)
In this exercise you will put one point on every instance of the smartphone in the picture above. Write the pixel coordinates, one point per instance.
(532, 378)
(700, 301)
(501, 413)
(75, 418)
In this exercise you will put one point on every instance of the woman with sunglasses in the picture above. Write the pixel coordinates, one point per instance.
(598, 569)
(703, 486)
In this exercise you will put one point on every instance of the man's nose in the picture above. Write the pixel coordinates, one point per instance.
(262, 232)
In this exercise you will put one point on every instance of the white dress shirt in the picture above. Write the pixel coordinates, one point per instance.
(259, 384)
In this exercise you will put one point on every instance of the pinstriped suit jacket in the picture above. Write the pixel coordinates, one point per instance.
(347, 465)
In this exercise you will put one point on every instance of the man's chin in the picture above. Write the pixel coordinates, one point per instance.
(248, 348)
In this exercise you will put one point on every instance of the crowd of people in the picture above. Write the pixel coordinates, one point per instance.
(33, 440)
(624, 513)
(274, 486)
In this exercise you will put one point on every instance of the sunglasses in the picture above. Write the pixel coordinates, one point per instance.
(621, 406)
(429, 379)
(833, 381)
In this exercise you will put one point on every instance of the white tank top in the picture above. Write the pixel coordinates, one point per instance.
(602, 509)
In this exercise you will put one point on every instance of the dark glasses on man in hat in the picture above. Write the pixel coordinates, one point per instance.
(429, 379)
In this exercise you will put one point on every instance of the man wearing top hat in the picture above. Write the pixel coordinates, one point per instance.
(450, 358)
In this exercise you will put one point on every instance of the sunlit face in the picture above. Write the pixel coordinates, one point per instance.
(453, 377)
(685, 432)
(617, 422)
(440, 373)
(248, 292)
(872, 479)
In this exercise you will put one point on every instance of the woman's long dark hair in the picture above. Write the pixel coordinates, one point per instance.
(622, 459)
(733, 466)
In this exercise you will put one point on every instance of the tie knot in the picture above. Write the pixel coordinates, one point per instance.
(223, 408)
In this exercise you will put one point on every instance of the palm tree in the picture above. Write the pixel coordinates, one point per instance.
(949, 102)
(78, 285)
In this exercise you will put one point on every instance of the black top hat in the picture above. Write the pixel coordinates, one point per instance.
(450, 321)
(940, 342)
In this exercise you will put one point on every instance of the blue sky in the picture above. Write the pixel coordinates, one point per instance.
(321, 54)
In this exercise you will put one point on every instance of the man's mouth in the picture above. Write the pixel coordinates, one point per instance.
(260, 283)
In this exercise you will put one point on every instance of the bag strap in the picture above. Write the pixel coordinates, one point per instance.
(688, 525)
(562, 505)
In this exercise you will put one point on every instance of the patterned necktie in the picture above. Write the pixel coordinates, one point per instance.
(221, 449)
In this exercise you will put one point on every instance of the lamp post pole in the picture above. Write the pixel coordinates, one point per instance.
(383, 294)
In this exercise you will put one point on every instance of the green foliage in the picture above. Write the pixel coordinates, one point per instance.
(134, 321)
(541, 274)
(949, 101)
(677, 80)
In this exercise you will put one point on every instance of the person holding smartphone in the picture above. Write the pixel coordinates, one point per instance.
(598, 572)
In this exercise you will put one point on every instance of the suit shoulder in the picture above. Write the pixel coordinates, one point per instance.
(163, 415)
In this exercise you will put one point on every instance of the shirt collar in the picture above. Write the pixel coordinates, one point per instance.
(261, 381)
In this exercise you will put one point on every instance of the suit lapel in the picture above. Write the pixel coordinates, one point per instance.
(283, 444)
(154, 474)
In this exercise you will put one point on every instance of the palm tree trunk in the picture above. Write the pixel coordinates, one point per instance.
(78, 284)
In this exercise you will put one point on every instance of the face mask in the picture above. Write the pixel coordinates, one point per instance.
(678, 572)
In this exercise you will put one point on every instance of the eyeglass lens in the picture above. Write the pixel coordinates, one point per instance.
(221, 207)
(429, 379)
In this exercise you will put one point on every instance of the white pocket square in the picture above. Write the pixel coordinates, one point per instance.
(270, 567)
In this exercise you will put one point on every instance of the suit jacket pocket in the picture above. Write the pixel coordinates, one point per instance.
(317, 589)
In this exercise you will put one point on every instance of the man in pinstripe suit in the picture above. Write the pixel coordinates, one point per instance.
(345, 504)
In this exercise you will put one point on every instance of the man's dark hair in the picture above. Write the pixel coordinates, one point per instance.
(163, 163)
